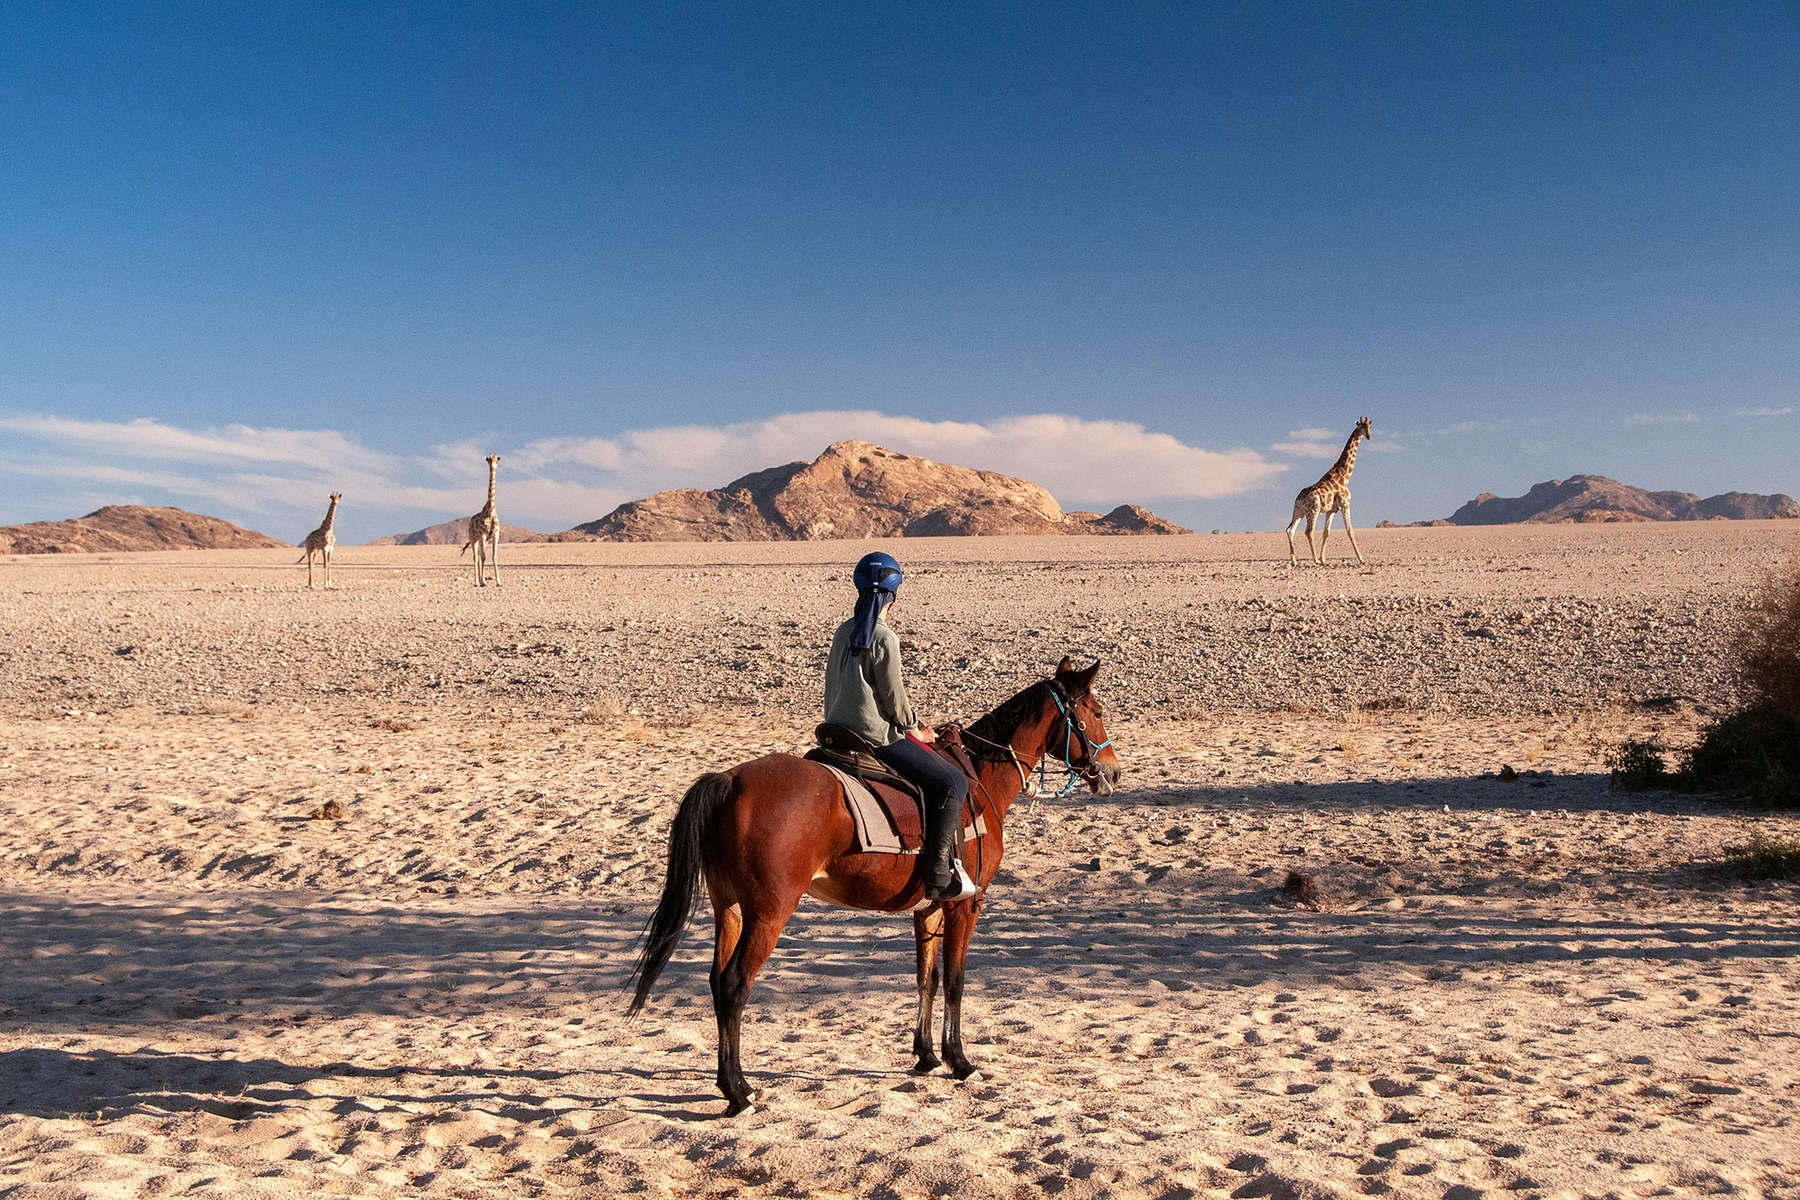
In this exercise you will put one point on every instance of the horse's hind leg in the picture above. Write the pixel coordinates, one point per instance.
(958, 929)
(928, 935)
(728, 925)
(731, 991)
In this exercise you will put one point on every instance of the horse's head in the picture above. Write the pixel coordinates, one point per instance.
(1080, 736)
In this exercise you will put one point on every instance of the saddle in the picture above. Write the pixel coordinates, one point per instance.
(900, 800)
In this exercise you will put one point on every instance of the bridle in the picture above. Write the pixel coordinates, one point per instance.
(1074, 732)
(1087, 768)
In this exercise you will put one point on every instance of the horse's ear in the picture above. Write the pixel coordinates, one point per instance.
(1065, 666)
(1085, 679)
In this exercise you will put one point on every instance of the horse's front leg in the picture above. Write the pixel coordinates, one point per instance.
(959, 927)
(928, 935)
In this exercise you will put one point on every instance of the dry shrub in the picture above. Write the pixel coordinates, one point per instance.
(1765, 857)
(1302, 887)
(1769, 646)
(1637, 766)
(394, 724)
(1757, 750)
(600, 711)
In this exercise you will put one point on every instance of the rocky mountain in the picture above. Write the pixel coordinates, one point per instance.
(1127, 518)
(859, 490)
(454, 533)
(1590, 498)
(123, 527)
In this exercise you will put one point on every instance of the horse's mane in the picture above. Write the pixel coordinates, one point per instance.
(999, 726)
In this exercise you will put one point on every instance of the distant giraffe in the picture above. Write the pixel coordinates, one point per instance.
(321, 541)
(1330, 495)
(484, 532)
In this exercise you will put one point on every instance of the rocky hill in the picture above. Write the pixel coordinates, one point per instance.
(1585, 498)
(123, 527)
(859, 490)
(453, 533)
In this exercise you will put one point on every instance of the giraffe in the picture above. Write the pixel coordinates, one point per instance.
(320, 542)
(484, 532)
(1330, 495)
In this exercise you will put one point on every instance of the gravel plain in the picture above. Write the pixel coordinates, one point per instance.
(214, 984)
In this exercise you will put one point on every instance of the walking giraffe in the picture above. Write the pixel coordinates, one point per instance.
(484, 532)
(321, 542)
(1330, 495)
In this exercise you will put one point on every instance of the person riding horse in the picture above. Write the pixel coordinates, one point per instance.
(864, 693)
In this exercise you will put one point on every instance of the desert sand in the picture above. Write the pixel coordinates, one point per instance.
(1536, 987)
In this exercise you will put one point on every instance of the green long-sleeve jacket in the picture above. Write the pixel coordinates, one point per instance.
(863, 691)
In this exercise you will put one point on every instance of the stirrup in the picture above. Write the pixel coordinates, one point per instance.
(961, 886)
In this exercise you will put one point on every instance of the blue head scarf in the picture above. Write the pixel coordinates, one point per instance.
(877, 579)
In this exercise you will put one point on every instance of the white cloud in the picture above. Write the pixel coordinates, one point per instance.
(1079, 460)
(1663, 418)
(1467, 428)
(1307, 449)
(1329, 443)
(552, 483)
(1786, 410)
(322, 450)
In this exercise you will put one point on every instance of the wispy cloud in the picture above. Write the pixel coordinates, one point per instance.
(1310, 443)
(1469, 428)
(1786, 410)
(321, 449)
(558, 481)
(1663, 418)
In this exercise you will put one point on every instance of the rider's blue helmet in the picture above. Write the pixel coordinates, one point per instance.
(878, 572)
(877, 578)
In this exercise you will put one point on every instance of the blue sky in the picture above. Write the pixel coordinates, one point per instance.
(1164, 253)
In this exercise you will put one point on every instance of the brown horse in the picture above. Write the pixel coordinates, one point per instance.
(767, 832)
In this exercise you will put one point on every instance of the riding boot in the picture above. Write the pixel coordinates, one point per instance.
(945, 878)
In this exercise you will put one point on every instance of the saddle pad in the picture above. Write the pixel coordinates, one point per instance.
(882, 827)
(875, 830)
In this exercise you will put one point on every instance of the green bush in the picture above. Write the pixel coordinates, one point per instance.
(1637, 766)
(1756, 751)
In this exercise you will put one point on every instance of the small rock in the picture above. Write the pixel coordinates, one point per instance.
(1507, 774)
(331, 810)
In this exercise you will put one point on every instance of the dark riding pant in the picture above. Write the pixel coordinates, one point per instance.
(944, 786)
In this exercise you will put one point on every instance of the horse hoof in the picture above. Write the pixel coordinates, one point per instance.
(738, 1107)
(967, 1071)
(926, 1066)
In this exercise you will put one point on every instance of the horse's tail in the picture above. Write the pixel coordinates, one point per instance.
(687, 840)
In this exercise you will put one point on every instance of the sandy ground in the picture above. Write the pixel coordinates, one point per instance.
(1537, 987)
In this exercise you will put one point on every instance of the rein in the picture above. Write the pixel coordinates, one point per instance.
(1024, 776)
(1074, 732)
